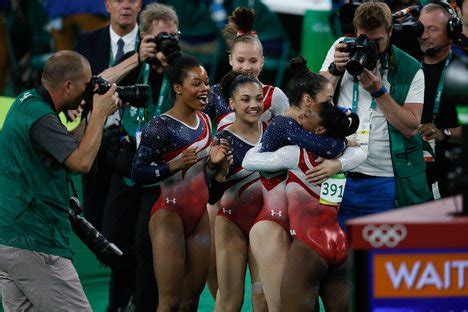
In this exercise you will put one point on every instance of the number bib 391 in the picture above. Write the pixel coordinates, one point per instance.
(331, 191)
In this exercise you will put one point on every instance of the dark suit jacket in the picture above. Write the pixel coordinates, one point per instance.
(95, 46)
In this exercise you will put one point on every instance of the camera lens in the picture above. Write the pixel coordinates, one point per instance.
(137, 95)
(356, 64)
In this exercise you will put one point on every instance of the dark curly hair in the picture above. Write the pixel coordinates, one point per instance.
(303, 81)
(337, 122)
(232, 81)
(177, 70)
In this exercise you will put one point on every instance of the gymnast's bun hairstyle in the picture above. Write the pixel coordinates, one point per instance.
(303, 81)
(338, 122)
(232, 81)
(240, 28)
(177, 70)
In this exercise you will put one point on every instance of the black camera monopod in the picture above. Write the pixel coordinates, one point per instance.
(105, 251)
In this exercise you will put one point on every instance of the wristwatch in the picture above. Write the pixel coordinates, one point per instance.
(447, 134)
(335, 71)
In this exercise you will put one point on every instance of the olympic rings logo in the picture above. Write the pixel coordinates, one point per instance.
(384, 235)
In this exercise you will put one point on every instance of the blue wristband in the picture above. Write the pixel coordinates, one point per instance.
(379, 93)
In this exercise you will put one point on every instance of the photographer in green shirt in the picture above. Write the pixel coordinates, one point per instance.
(37, 155)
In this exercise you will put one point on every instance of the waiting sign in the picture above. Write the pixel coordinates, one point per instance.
(419, 280)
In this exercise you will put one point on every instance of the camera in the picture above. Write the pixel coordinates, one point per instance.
(363, 54)
(105, 251)
(406, 30)
(168, 45)
(137, 95)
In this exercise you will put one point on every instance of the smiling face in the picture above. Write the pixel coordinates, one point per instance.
(247, 57)
(194, 88)
(247, 102)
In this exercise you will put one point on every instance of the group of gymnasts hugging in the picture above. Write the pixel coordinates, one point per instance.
(235, 166)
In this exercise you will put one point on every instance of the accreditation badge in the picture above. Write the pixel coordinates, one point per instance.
(331, 191)
(362, 136)
(428, 151)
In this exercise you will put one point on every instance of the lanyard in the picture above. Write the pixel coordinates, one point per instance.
(356, 97)
(356, 93)
(440, 86)
(144, 76)
(162, 94)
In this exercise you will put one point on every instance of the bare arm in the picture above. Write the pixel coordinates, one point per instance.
(147, 49)
(83, 157)
(340, 59)
(405, 118)
(116, 73)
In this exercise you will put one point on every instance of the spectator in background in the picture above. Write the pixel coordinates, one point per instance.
(109, 199)
(461, 46)
(389, 101)
(68, 18)
(200, 22)
(439, 124)
(134, 68)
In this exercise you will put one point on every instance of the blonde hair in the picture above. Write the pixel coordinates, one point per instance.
(157, 12)
(240, 28)
(372, 15)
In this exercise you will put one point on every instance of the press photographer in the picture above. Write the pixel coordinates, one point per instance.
(38, 153)
(111, 200)
(389, 100)
(405, 28)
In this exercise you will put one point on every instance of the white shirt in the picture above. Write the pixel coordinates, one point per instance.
(379, 161)
(129, 40)
(129, 45)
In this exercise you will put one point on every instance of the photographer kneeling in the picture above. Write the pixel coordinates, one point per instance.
(385, 87)
(37, 155)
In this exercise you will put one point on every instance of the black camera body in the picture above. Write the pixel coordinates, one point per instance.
(168, 45)
(105, 251)
(136, 95)
(363, 53)
(406, 30)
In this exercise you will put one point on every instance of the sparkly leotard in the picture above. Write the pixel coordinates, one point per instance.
(186, 191)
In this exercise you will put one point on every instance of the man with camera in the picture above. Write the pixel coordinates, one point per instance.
(385, 86)
(104, 48)
(37, 155)
(439, 125)
(126, 207)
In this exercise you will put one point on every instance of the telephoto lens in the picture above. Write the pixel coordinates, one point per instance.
(105, 251)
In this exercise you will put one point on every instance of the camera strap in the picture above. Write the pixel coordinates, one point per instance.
(72, 185)
(144, 78)
(356, 92)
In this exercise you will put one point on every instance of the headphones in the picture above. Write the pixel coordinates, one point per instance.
(454, 24)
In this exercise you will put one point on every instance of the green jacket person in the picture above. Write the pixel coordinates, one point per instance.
(37, 156)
